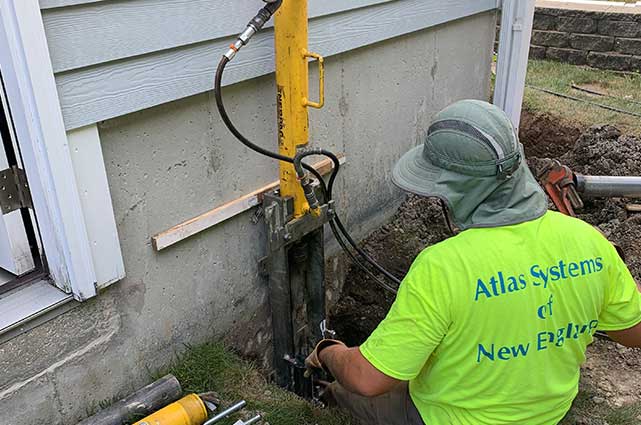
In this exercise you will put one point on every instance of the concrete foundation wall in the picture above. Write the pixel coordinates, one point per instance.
(175, 161)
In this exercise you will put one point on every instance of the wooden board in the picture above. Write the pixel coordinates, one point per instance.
(117, 88)
(224, 212)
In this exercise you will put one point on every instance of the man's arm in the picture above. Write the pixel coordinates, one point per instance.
(354, 372)
(402, 343)
(629, 337)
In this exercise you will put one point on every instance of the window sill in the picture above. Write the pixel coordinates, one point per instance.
(30, 305)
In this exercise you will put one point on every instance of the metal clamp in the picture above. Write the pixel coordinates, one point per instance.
(321, 80)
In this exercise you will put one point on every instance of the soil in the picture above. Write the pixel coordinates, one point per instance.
(612, 374)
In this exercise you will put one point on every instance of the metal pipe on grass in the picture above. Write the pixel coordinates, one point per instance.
(222, 415)
(141, 403)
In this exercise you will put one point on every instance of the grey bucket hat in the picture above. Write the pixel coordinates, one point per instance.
(471, 158)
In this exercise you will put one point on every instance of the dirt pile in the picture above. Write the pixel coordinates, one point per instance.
(602, 150)
(612, 372)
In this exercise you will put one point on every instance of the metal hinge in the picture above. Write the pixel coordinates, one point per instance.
(14, 190)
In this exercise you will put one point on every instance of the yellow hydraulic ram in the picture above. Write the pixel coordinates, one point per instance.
(189, 410)
(292, 81)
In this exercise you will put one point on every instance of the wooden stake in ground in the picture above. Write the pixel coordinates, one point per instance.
(633, 208)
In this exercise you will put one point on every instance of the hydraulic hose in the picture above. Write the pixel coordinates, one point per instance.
(299, 171)
(337, 227)
(230, 125)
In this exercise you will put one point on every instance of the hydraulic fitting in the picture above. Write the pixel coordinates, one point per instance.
(305, 181)
(255, 25)
(310, 193)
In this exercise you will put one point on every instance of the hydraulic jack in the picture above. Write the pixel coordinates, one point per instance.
(296, 213)
(295, 236)
(294, 217)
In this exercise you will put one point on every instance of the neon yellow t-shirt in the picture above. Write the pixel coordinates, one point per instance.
(491, 326)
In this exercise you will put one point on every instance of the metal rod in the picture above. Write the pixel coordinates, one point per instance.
(609, 186)
(280, 301)
(253, 420)
(222, 415)
(316, 284)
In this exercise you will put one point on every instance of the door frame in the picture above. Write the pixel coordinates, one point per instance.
(32, 95)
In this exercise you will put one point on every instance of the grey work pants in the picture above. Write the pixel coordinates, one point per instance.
(393, 408)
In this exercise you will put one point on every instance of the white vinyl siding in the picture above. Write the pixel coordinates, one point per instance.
(112, 58)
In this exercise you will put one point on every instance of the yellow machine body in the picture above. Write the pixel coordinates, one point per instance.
(189, 410)
(292, 81)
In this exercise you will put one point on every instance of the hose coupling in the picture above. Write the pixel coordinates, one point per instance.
(305, 181)
(310, 194)
(255, 25)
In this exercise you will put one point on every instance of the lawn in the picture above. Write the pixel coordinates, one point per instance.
(623, 92)
(212, 367)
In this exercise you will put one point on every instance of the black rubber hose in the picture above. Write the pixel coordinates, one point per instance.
(223, 114)
(297, 164)
(232, 128)
(337, 235)
(356, 261)
(273, 7)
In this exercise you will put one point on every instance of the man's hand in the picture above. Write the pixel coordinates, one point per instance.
(313, 361)
(350, 368)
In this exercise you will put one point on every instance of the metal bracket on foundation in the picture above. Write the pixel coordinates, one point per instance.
(294, 266)
(281, 230)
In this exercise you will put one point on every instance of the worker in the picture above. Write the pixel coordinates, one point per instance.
(489, 326)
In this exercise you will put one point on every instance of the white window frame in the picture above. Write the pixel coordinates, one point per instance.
(78, 233)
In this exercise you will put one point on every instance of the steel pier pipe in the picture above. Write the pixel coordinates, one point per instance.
(609, 186)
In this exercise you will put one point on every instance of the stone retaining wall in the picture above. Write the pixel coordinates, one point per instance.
(601, 39)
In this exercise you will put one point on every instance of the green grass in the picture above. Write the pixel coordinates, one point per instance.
(212, 367)
(559, 77)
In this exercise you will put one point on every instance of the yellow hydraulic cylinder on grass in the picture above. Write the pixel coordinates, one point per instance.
(189, 410)
(292, 81)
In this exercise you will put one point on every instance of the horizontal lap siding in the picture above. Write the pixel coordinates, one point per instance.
(50, 4)
(107, 31)
(115, 57)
